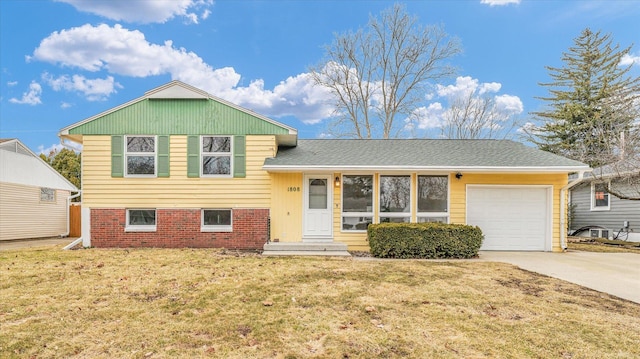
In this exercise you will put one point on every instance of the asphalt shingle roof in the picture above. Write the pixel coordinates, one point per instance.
(416, 153)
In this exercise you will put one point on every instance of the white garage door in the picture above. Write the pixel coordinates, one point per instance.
(511, 217)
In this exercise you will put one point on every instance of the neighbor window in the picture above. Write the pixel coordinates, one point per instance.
(433, 195)
(357, 202)
(395, 199)
(217, 220)
(47, 195)
(143, 220)
(140, 152)
(599, 197)
(216, 156)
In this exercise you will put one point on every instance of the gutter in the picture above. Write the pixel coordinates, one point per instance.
(563, 209)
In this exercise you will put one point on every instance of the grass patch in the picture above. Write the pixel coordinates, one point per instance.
(163, 303)
(603, 245)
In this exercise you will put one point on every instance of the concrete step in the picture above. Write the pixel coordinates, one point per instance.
(305, 249)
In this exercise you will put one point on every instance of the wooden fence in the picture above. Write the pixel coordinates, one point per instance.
(75, 220)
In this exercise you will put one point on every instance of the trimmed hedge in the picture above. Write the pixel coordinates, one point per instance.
(424, 240)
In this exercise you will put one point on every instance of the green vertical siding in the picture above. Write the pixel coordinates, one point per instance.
(178, 117)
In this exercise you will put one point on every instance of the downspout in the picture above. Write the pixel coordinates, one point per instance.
(563, 209)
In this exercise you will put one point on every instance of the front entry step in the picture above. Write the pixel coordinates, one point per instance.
(306, 249)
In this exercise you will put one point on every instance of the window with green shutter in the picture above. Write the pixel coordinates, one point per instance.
(163, 156)
(216, 156)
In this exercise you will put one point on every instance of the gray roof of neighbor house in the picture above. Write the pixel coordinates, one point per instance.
(418, 154)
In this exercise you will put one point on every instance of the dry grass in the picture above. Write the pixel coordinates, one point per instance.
(156, 303)
(602, 245)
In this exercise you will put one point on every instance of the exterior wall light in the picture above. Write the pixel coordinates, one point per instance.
(458, 175)
(337, 181)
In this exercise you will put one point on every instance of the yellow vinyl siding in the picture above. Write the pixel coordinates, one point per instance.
(176, 191)
(286, 207)
(458, 199)
(23, 215)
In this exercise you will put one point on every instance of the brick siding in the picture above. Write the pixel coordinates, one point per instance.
(179, 228)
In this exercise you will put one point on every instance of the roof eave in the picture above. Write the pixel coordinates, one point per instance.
(468, 169)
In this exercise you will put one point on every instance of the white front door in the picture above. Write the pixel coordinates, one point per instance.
(317, 217)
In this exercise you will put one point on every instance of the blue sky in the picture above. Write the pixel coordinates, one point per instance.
(64, 61)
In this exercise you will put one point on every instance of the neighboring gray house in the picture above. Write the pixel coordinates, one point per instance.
(596, 213)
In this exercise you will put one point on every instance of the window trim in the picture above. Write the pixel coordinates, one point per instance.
(408, 214)
(344, 214)
(214, 228)
(140, 228)
(433, 214)
(217, 154)
(154, 154)
(592, 194)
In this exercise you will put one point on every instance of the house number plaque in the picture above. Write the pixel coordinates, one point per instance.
(293, 189)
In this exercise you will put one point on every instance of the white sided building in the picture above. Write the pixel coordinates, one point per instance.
(33, 195)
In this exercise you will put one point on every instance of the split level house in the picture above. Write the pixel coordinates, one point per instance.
(179, 167)
(34, 197)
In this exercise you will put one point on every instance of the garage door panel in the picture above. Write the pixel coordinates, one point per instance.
(511, 218)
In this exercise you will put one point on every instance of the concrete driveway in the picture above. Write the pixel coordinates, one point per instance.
(30, 243)
(613, 273)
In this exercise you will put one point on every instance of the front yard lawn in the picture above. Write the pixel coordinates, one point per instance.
(603, 245)
(164, 303)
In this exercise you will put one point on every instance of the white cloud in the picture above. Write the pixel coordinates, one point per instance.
(465, 91)
(144, 11)
(93, 90)
(499, 2)
(12, 83)
(629, 59)
(509, 104)
(64, 105)
(126, 52)
(427, 117)
(31, 97)
(57, 147)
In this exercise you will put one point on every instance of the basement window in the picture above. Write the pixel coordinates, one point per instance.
(141, 220)
(217, 220)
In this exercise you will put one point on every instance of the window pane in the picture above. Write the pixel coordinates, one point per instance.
(394, 219)
(357, 193)
(216, 165)
(601, 195)
(140, 165)
(432, 219)
(141, 144)
(317, 193)
(142, 217)
(432, 193)
(395, 193)
(216, 217)
(216, 144)
(47, 195)
(356, 223)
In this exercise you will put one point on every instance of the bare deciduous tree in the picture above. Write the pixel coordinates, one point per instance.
(475, 116)
(379, 72)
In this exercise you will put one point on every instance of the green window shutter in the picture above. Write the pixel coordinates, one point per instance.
(163, 156)
(239, 157)
(117, 156)
(193, 156)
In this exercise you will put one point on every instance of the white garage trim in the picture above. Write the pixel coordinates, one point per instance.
(545, 235)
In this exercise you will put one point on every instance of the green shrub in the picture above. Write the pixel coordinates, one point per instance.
(424, 240)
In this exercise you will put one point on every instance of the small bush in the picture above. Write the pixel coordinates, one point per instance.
(424, 240)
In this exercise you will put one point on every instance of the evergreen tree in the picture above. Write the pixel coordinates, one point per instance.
(593, 99)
